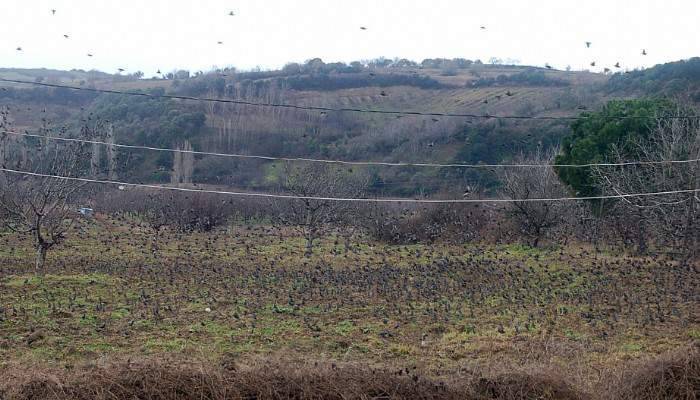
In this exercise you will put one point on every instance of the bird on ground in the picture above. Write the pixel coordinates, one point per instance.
(606, 70)
(509, 93)
(435, 120)
(431, 144)
(120, 69)
(383, 93)
(548, 66)
(35, 336)
(158, 72)
(588, 45)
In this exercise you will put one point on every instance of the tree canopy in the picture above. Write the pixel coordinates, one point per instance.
(620, 124)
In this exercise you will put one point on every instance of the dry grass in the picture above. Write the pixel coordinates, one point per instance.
(675, 375)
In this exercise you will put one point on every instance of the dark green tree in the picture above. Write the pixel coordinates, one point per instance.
(621, 124)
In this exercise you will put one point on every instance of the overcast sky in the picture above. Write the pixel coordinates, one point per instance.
(167, 34)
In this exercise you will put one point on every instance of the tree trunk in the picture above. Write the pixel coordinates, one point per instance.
(641, 236)
(41, 251)
(309, 245)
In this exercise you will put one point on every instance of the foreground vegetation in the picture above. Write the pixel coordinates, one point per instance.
(243, 292)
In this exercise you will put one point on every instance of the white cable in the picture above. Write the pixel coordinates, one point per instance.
(362, 163)
(359, 200)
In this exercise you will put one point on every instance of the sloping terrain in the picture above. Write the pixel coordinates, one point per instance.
(435, 86)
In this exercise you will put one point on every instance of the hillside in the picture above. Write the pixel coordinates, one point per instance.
(445, 86)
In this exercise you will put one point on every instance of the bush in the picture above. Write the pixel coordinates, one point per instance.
(675, 375)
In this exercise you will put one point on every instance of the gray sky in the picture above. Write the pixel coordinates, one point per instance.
(167, 34)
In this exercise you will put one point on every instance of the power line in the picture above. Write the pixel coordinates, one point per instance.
(355, 163)
(326, 109)
(342, 199)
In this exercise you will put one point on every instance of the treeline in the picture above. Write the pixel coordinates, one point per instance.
(681, 77)
(324, 82)
(44, 95)
(529, 77)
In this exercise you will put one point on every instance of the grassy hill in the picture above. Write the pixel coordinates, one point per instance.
(444, 86)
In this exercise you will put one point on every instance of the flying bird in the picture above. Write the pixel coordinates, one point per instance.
(644, 52)
(158, 72)
(231, 13)
(483, 28)
(53, 11)
(89, 54)
(19, 49)
(593, 64)
(617, 64)
(120, 69)
(219, 42)
(588, 45)
(66, 36)
(548, 66)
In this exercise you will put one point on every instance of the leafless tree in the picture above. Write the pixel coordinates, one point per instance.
(671, 218)
(534, 219)
(41, 206)
(311, 215)
(112, 154)
(183, 164)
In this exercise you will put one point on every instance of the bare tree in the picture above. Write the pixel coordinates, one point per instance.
(311, 215)
(111, 154)
(672, 218)
(41, 206)
(534, 219)
(183, 164)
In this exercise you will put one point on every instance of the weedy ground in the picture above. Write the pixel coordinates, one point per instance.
(249, 291)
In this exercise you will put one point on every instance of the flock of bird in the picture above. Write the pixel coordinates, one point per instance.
(405, 294)
(363, 28)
